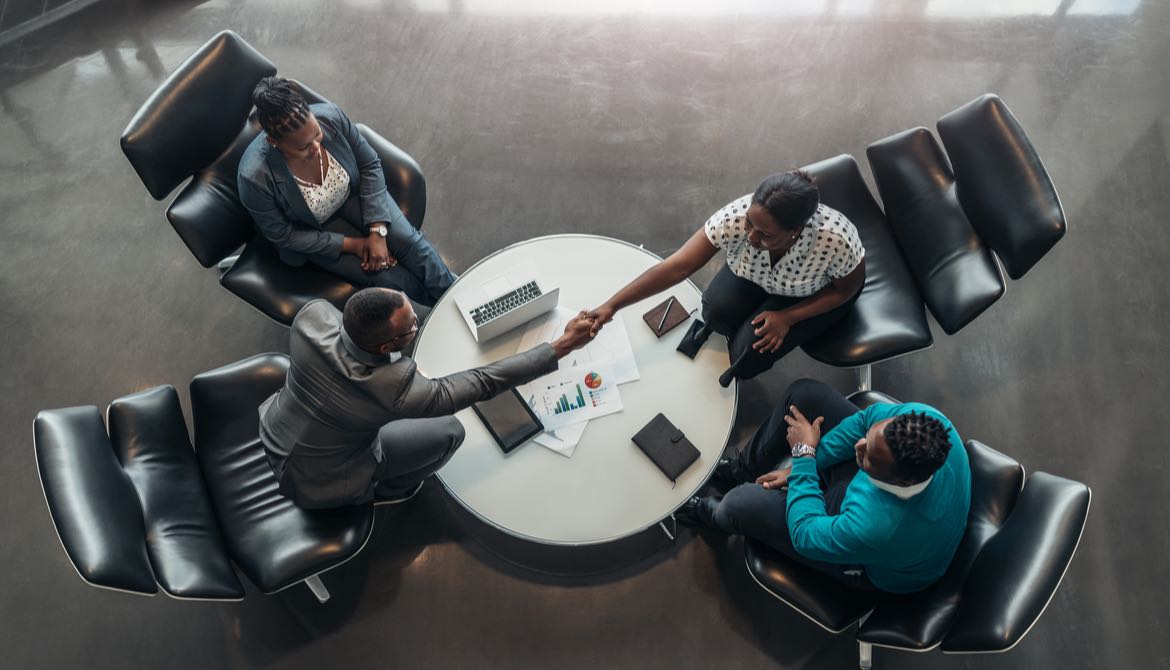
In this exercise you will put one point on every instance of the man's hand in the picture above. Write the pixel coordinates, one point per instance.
(771, 329)
(578, 332)
(377, 257)
(800, 430)
(776, 479)
(601, 316)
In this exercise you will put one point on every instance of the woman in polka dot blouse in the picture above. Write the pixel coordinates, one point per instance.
(794, 267)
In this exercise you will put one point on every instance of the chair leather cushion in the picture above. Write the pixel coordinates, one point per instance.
(404, 178)
(1002, 183)
(207, 214)
(91, 500)
(888, 318)
(182, 536)
(195, 114)
(955, 272)
(280, 290)
(918, 621)
(830, 604)
(1020, 568)
(274, 542)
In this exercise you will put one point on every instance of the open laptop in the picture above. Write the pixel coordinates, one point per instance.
(505, 302)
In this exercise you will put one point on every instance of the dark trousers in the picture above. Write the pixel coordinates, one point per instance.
(420, 273)
(750, 509)
(729, 305)
(412, 450)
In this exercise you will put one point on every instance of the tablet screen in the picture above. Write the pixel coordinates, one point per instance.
(509, 419)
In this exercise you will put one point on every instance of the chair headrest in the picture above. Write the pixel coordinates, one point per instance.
(195, 114)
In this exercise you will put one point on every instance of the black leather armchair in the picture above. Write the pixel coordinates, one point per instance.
(1021, 536)
(942, 221)
(138, 508)
(197, 125)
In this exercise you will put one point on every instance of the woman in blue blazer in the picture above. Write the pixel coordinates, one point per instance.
(315, 189)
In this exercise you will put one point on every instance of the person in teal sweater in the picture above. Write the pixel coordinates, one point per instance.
(879, 502)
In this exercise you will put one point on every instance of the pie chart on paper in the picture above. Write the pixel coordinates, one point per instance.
(593, 380)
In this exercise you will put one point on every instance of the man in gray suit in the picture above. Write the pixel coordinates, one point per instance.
(357, 422)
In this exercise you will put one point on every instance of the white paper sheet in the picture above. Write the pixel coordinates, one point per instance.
(610, 347)
(564, 441)
(570, 396)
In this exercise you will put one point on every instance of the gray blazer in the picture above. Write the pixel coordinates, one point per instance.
(320, 430)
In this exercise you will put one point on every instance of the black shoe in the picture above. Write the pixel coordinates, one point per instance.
(728, 474)
(694, 513)
(694, 339)
(395, 499)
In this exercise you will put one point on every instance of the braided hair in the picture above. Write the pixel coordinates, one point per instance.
(919, 444)
(280, 108)
(790, 197)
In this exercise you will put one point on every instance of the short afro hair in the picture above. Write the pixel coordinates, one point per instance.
(919, 444)
(366, 318)
(790, 197)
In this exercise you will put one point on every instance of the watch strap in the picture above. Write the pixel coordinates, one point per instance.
(801, 449)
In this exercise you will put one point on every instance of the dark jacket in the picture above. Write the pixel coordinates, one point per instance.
(320, 431)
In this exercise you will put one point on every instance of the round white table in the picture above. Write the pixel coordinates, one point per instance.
(608, 489)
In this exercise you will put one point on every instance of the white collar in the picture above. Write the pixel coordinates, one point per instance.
(903, 492)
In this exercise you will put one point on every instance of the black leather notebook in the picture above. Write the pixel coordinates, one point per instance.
(666, 445)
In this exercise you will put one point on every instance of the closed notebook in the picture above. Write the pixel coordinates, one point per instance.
(666, 445)
(674, 314)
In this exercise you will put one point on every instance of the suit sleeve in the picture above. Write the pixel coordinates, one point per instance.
(377, 205)
(420, 396)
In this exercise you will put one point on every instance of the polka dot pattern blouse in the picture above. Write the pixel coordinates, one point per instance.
(828, 248)
(325, 199)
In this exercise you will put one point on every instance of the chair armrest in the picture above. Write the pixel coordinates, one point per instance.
(1020, 568)
(404, 178)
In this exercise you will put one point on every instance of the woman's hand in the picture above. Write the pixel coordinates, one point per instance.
(776, 479)
(771, 329)
(377, 256)
(601, 316)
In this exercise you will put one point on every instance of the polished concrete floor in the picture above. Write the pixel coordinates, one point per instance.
(629, 119)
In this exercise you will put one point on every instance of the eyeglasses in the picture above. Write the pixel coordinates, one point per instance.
(408, 333)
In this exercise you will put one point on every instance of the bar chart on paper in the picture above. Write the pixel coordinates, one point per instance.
(563, 404)
(573, 395)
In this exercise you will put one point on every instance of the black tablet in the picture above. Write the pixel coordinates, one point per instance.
(509, 419)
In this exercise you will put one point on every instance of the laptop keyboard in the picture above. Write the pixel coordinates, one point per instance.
(505, 303)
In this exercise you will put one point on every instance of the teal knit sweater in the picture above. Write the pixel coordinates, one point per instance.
(904, 545)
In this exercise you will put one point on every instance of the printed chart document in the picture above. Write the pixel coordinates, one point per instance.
(573, 395)
(611, 346)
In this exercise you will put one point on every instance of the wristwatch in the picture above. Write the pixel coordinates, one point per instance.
(802, 449)
(379, 228)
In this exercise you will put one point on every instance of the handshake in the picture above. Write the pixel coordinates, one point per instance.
(581, 330)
